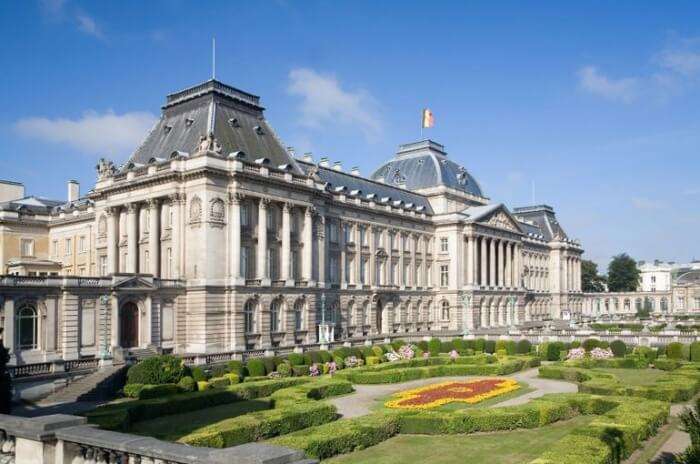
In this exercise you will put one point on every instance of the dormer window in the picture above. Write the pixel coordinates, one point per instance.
(167, 129)
(259, 130)
(189, 122)
(233, 122)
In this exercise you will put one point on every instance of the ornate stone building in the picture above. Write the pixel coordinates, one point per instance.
(214, 237)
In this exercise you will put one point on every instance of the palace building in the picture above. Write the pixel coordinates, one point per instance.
(214, 237)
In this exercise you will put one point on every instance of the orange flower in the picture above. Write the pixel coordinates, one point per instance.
(435, 395)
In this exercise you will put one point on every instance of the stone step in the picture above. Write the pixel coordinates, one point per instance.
(102, 384)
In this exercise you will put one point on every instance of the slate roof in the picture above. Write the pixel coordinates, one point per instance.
(423, 165)
(689, 278)
(31, 204)
(366, 186)
(545, 220)
(234, 117)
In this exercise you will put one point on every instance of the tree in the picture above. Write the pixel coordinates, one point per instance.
(591, 281)
(5, 382)
(623, 275)
(690, 420)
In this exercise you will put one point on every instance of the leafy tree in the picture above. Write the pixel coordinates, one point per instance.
(690, 418)
(591, 282)
(623, 275)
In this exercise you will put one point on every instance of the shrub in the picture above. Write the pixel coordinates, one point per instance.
(674, 350)
(377, 351)
(372, 360)
(219, 371)
(695, 351)
(158, 391)
(667, 364)
(237, 367)
(685, 350)
(619, 348)
(295, 359)
(459, 344)
(489, 346)
(202, 385)
(576, 344)
(187, 384)
(326, 356)
(479, 344)
(523, 347)
(434, 346)
(132, 390)
(312, 357)
(157, 370)
(645, 352)
(423, 345)
(198, 374)
(284, 369)
(256, 367)
(445, 347)
(590, 343)
(300, 371)
(233, 378)
(500, 345)
(219, 382)
(269, 363)
(396, 344)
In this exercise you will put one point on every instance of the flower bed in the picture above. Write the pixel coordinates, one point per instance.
(435, 395)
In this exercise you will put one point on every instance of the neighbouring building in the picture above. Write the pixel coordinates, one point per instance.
(214, 237)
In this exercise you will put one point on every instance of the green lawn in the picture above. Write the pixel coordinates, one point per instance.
(635, 377)
(516, 447)
(170, 428)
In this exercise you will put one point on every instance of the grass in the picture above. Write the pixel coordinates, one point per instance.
(513, 447)
(524, 388)
(635, 377)
(171, 428)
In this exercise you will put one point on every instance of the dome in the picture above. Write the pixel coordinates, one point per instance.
(689, 278)
(424, 165)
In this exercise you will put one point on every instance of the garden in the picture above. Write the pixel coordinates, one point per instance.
(443, 391)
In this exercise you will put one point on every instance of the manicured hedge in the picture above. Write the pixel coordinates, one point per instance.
(434, 347)
(523, 347)
(157, 370)
(674, 350)
(619, 348)
(695, 352)
(256, 367)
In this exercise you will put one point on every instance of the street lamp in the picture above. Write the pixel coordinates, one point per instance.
(104, 352)
(322, 326)
(466, 303)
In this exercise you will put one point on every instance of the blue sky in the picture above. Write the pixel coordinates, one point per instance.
(596, 104)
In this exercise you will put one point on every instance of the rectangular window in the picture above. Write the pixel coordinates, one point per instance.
(82, 244)
(444, 275)
(27, 247)
(444, 244)
(346, 234)
(363, 236)
(55, 248)
(333, 232)
(69, 247)
(245, 258)
(245, 216)
(363, 271)
(333, 267)
(103, 265)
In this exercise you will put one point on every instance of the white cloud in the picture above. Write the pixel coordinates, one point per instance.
(595, 82)
(93, 134)
(682, 56)
(648, 204)
(88, 25)
(325, 103)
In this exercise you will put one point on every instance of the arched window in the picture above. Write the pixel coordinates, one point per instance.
(299, 315)
(275, 314)
(638, 304)
(627, 304)
(249, 316)
(445, 306)
(27, 327)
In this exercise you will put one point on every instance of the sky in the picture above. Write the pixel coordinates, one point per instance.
(590, 107)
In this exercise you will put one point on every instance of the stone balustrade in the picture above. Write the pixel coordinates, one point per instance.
(65, 439)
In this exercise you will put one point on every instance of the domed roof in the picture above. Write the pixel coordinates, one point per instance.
(424, 165)
(689, 278)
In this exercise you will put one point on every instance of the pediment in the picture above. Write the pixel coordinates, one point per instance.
(133, 282)
(500, 219)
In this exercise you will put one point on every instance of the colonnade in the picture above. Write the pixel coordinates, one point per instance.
(493, 262)
(572, 273)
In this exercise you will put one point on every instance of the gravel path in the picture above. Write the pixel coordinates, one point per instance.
(363, 400)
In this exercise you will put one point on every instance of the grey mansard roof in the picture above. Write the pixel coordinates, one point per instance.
(543, 217)
(234, 117)
(356, 185)
(424, 165)
(31, 204)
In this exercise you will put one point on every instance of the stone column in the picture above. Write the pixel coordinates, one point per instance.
(154, 236)
(8, 334)
(414, 270)
(343, 253)
(517, 272)
(176, 202)
(501, 262)
(261, 266)
(401, 280)
(112, 240)
(286, 243)
(308, 243)
(484, 279)
(372, 257)
(509, 265)
(234, 225)
(492, 262)
(484, 315)
(322, 250)
(358, 255)
(132, 228)
(470, 260)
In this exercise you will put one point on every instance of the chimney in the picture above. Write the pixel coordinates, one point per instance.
(324, 162)
(338, 166)
(355, 171)
(73, 190)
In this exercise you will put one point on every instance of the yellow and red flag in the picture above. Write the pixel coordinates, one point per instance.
(428, 118)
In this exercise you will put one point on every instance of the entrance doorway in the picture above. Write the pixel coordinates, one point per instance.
(129, 326)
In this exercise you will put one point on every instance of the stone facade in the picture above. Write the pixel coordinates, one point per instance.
(213, 237)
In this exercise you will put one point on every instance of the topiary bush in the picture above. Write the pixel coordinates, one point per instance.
(459, 344)
(434, 346)
(446, 347)
(695, 351)
(237, 367)
(619, 348)
(377, 351)
(270, 364)
(295, 359)
(187, 384)
(674, 350)
(489, 346)
(326, 356)
(423, 345)
(523, 347)
(256, 367)
(479, 344)
(367, 351)
(284, 369)
(396, 344)
(590, 343)
(158, 370)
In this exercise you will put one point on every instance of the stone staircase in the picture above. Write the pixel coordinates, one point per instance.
(99, 385)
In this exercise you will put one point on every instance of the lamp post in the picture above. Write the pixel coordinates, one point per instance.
(466, 303)
(322, 326)
(105, 301)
